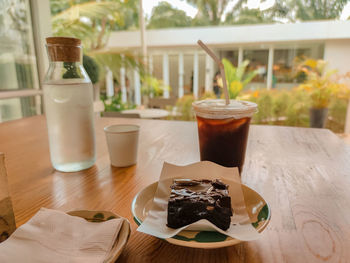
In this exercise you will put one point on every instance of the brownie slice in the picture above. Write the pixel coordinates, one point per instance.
(192, 200)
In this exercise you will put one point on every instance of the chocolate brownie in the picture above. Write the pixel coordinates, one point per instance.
(192, 200)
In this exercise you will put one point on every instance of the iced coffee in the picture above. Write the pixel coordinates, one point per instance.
(223, 130)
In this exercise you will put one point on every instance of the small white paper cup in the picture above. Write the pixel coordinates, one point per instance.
(122, 142)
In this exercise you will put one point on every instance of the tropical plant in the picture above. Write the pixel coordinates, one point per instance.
(248, 16)
(236, 77)
(278, 107)
(152, 86)
(321, 83)
(317, 9)
(184, 107)
(114, 60)
(210, 12)
(166, 16)
(92, 22)
(115, 103)
(89, 21)
(91, 68)
(286, 11)
(130, 12)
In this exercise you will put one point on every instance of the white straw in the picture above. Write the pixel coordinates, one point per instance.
(221, 67)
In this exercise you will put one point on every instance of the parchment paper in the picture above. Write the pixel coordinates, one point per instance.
(156, 220)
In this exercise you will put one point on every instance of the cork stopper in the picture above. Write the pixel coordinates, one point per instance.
(65, 49)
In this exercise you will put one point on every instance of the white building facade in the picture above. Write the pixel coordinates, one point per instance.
(176, 58)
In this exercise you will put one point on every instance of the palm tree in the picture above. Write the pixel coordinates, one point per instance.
(92, 22)
(318, 9)
(89, 21)
(248, 16)
(165, 16)
(288, 10)
(211, 11)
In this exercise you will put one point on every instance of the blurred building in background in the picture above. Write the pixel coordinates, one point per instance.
(175, 57)
(272, 47)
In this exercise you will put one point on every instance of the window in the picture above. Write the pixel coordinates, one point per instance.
(18, 67)
(258, 60)
(286, 60)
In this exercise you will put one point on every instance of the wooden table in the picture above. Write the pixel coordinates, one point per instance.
(303, 173)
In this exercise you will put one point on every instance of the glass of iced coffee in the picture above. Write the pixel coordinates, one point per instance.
(223, 130)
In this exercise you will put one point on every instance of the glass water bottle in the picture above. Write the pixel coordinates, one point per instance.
(68, 100)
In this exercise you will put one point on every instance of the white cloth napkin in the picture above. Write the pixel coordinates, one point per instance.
(53, 236)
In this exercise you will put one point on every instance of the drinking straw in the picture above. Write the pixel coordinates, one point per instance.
(221, 67)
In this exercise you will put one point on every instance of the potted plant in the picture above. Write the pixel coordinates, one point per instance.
(321, 84)
(115, 103)
(93, 71)
(237, 77)
(152, 87)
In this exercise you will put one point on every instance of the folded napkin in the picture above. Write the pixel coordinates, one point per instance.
(53, 236)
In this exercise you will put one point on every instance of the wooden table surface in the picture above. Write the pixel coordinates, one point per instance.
(303, 173)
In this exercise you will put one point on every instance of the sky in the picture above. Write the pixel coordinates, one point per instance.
(191, 11)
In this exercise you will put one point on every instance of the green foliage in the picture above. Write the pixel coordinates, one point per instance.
(130, 10)
(91, 68)
(236, 77)
(277, 107)
(209, 11)
(184, 108)
(248, 16)
(114, 60)
(184, 105)
(115, 103)
(152, 86)
(57, 6)
(337, 115)
(321, 84)
(166, 16)
(297, 113)
(318, 9)
(291, 108)
(89, 21)
(92, 22)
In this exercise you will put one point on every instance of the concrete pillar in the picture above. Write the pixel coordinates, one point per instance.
(150, 64)
(181, 75)
(209, 73)
(143, 33)
(137, 87)
(122, 84)
(195, 74)
(240, 56)
(109, 83)
(270, 69)
(166, 74)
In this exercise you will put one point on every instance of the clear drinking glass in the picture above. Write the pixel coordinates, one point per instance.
(68, 101)
(223, 130)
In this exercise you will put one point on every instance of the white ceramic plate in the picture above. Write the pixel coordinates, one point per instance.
(258, 210)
